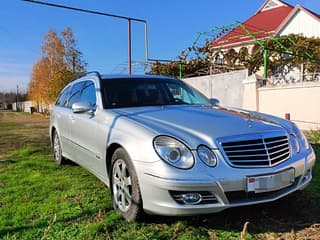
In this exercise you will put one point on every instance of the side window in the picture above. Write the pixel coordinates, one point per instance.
(184, 94)
(75, 93)
(63, 98)
(89, 93)
(179, 94)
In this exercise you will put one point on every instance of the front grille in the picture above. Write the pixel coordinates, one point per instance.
(257, 152)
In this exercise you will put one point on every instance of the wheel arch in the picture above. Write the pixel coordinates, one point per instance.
(52, 131)
(110, 151)
(135, 210)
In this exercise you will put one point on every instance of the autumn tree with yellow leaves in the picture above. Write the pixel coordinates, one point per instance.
(61, 61)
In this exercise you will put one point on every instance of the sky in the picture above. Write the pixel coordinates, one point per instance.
(173, 26)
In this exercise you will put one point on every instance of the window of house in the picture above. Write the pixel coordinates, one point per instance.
(271, 4)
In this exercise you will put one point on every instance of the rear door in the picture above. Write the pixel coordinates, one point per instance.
(62, 120)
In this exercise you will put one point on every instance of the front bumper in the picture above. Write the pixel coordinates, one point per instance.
(225, 185)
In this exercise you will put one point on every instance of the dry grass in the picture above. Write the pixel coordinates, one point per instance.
(19, 130)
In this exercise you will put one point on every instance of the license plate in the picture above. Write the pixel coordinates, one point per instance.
(272, 182)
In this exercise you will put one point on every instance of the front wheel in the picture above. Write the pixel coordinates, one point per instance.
(125, 189)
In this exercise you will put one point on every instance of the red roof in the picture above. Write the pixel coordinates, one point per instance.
(261, 25)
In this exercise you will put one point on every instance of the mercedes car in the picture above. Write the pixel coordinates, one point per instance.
(163, 148)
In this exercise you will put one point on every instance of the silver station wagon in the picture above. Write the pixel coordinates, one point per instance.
(163, 148)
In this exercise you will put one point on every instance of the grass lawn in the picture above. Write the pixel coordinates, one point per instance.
(39, 200)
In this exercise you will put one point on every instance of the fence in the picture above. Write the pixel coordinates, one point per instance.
(227, 87)
(298, 100)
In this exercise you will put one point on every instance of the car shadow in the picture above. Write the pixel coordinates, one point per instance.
(297, 211)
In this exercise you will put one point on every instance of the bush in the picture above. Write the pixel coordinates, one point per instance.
(314, 136)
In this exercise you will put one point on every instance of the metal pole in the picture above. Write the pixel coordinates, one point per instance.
(265, 63)
(17, 109)
(107, 15)
(210, 81)
(129, 46)
(146, 40)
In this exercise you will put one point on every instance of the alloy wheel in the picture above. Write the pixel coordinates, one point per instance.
(121, 185)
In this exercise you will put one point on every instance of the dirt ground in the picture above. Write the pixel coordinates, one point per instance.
(27, 129)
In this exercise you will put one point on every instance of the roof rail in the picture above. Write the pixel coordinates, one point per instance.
(80, 75)
(93, 72)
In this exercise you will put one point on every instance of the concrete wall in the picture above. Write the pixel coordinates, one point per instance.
(236, 89)
(301, 101)
(226, 87)
(250, 93)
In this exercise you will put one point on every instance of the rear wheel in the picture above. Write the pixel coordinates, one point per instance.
(57, 151)
(125, 189)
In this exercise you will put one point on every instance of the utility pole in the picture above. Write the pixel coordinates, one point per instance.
(129, 47)
(17, 98)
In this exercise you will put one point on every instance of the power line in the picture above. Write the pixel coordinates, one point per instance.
(86, 11)
(129, 19)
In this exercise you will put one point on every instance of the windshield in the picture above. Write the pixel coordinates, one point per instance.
(131, 92)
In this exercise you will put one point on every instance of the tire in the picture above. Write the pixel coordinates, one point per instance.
(126, 196)
(57, 150)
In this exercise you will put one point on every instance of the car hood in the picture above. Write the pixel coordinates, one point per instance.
(196, 125)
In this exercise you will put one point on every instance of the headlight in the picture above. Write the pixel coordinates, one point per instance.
(301, 137)
(304, 140)
(173, 152)
(294, 143)
(207, 156)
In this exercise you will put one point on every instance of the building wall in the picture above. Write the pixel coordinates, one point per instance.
(237, 89)
(23, 106)
(300, 101)
(226, 87)
(303, 23)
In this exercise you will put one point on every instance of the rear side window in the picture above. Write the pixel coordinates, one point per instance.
(75, 93)
(63, 98)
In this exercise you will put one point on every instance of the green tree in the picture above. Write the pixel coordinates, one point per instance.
(284, 54)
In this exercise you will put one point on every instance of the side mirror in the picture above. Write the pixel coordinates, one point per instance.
(82, 107)
(214, 101)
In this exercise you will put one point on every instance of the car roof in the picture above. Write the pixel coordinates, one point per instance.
(134, 76)
(122, 77)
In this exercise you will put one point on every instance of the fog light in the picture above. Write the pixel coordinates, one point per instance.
(191, 198)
